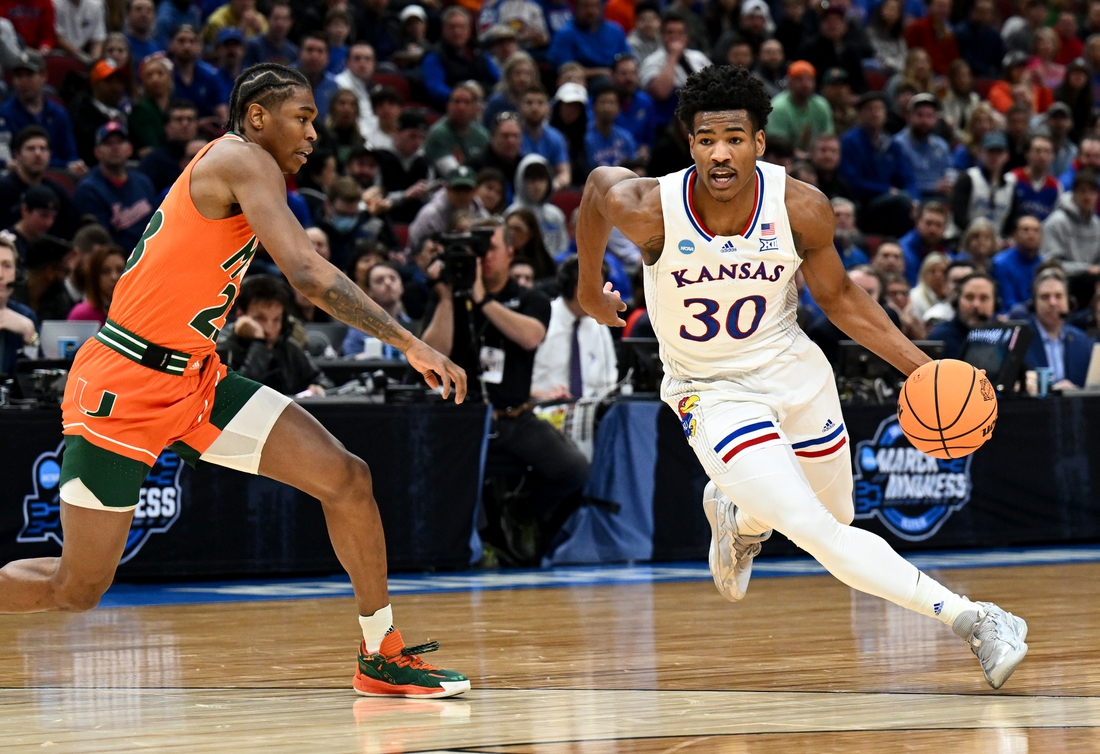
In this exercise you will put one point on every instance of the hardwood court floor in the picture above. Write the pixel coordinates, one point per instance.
(801, 665)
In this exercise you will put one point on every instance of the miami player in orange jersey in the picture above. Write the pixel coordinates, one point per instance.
(151, 379)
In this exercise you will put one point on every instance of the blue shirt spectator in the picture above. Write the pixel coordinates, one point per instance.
(547, 142)
(980, 43)
(312, 62)
(609, 149)
(171, 15)
(141, 49)
(205, 88)
(121, 200)
(637, 111)
(1014, 270)
(14, 117)
(872, 163)
(260, 49)
(929, 154)
(558, 13)
(454, 59)
(1067, 354)
(1037, 200)
(588, 39)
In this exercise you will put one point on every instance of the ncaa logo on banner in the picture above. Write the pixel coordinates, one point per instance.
(911, 493)
(158, 502)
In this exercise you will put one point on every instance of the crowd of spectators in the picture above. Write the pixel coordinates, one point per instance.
(956, 140)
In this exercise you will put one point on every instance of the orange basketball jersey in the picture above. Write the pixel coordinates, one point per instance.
(184, 274)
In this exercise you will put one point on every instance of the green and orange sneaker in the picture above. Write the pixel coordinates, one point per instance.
(397, 670)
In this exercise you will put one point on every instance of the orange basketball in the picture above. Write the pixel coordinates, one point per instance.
(947, 409)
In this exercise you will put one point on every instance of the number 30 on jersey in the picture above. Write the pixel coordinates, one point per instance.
(738, 312)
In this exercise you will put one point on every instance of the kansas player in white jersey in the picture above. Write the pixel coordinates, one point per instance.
(721, 242)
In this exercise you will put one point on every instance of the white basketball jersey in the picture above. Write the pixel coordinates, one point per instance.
(722, 304)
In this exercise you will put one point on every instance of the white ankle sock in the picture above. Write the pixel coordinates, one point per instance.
(375, 628)
(933, 599)
(747, 525)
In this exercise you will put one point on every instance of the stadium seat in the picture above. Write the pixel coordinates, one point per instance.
(873, 244)
(402, 233)
(58, 66)
(876, 80)
(397, 81)
(567, 200)
(982, 87)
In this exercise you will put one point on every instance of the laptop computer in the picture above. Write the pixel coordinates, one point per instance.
(56, 330)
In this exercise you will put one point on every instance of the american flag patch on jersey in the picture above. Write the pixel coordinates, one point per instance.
(767, 229)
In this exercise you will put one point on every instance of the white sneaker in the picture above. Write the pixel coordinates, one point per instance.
(731, 553)
(997, 639)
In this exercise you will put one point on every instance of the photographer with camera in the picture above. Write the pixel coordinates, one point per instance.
(491, 326)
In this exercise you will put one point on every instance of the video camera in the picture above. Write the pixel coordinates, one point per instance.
(460, 254)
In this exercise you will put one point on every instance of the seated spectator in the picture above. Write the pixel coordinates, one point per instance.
(303, 309)
(1018, 131)
(1075, 92)
(315, 178)
(664, 72)
(825, 159)
(150, 113)
(1019, 31)
(932, 288)
(49, 261)
(228, 54)
(405, 170)
(645, 38)
(522, 272)
(140, 31)
(979, 243)
(847, 238)
(570, 115)
(979, 42)
(102, 105)
(519, 74)
(18, 324)
(828, 336)
(352, 215)
(257, 345)
(171, 15)
(982, 120)
(105, 267)
(1036, 191)
(1014, 268)
(165, 163)
(838, 93)
(119, 199)
(832, 47)
(412, 40)
(960, 100)
(37, 214)
(878, 171)
(533, 190)
(356, 78)
(771, 67)
(1057, 345)
(1002, 94)
(541, 138)
(28, 106)
(499, 42)
(607, 144)
(986, 190)
(457, 138)
(196, 80)
(888, 259)
(455, 59)
(897, 294)
(420, 275)
(753, 22)
(374, 24)
(974, 308)
(385, 289)
(588, 39)
(1059, 123)
(944, 311)
(80, 27)
(236, 14)
(637, 112)
(504, 149)
(1088, 157)
(30, 157)
(364, 256)
(576, 359)
(933, 34)
(337, 28)
(439, 213)
(340, 128)
(490, 191)
(387, 105)
(1071, 235)
(525, 235)
(929, 154)
(313, 63)
(799, 115)
(1044, 64)
(273, 45)
(1070, 45)
(925, 238)
(885, 32)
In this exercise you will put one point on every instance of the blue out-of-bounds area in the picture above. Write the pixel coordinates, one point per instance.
(135, 595)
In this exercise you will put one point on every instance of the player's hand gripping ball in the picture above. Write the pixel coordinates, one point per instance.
(947, 408)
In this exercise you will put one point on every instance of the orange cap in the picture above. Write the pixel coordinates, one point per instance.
(103, 69)
(801, 68)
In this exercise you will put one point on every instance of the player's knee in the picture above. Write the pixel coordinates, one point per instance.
(78, 596)
(350, 480)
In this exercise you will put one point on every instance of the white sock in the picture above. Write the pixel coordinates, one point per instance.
(933, 599)
(747, 525)
(375, 628)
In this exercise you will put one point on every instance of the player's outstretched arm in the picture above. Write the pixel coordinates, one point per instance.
(258, 186)
(614, 197)
(845, 304)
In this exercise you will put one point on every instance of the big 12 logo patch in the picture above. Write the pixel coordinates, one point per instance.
(158, 502)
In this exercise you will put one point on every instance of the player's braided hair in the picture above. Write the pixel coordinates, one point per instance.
(717, 88)
(267, 85)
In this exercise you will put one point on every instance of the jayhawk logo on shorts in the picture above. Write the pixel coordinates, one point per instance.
(158, 504)
(686, 409)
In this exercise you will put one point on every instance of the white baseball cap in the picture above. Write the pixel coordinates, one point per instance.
(571, 92)
(409, 11)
